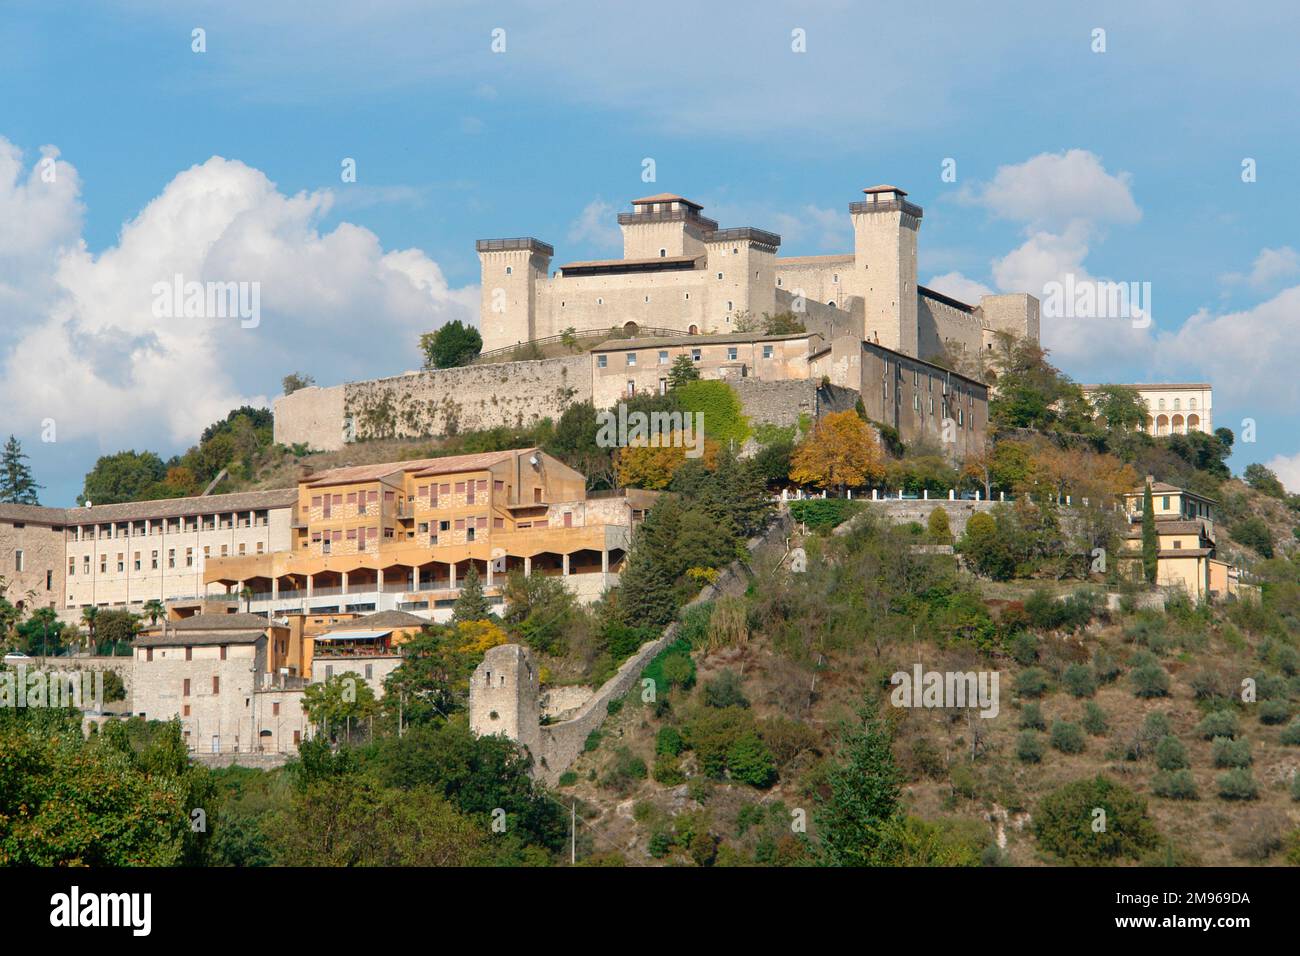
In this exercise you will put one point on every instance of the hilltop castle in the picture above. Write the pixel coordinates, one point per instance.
(680, 271)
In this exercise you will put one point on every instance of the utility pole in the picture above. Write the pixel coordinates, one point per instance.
(573, 834)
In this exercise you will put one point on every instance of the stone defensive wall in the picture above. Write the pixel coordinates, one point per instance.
(561, 743)
(433, 402)
(514, 394)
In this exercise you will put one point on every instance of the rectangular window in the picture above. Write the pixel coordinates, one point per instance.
(275, 710)
(153, 560)
(631, 358)
(601, 361)
(663, 358)
(731, 354)
(185, 687)
(767, 351)
(695, 355)
(223, 652)
(19, 559)
(216, 681)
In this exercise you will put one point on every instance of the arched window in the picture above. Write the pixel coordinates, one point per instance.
(1178, 403)
(1191, 403)
(1161, 405)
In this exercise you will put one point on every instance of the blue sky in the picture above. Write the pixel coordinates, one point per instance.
(1123, 165)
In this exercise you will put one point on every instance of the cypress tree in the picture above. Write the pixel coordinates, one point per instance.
(1150, 539)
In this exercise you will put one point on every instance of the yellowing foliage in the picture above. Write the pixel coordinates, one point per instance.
(642, 465)
(842, 452)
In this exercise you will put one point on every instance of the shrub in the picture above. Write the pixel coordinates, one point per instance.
(1208, 685)
(823, 514)
(1031, 717)
(1067, 737)
(1030, 747)
(1079, 680)
(1150, 680)
(725, 691)
(1291, 733)
(1274, 712)
(1258, 836)
(668, 770)
(749, 761)
(1032, 682)
(1219, 723)
(1171, 754)
(1063, 823)
(1227, 752)
(568, 778)
(1104, 666)
(669, 741)
(937, 526)
(1094, 719)
(672, 667)
(592, 741)
(1024, 648)
(1237, 784)
(624, 771)
(1174, 785)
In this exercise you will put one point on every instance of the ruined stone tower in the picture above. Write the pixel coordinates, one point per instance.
(503, 697)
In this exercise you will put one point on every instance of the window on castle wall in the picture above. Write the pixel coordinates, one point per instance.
(510, 270)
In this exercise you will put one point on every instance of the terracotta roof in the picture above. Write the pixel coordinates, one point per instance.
(205, 638)
(33, 513)
(475, 462)
(181, 507)
(379, 621)
(885, 188)
(220, 622)
(351, 474)
(665, 197)
(1167, 526)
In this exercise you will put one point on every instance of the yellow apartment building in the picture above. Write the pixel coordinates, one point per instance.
(403, 535)
(1187, 552)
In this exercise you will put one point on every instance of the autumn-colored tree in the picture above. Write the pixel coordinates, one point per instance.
(842, 452)
(643, 465)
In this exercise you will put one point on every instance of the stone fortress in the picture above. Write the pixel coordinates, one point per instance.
(681, 271)
(870, 330)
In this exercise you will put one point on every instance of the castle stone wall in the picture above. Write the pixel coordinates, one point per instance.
(782, 403)
(311, 416)
(559, 744)
(435, 402)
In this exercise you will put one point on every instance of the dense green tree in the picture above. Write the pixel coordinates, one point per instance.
(17, 486)
(682, 370)
(452, 345)
(471, 604)
(575, 443)
(865, 787)
(1066, 823)
(1264, 480)
(124, 476)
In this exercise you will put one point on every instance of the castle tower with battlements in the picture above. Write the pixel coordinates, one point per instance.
(683, 273)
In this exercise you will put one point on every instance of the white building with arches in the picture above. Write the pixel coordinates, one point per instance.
(1174, 408)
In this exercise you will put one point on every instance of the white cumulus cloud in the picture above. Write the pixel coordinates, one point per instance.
(87, 350)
